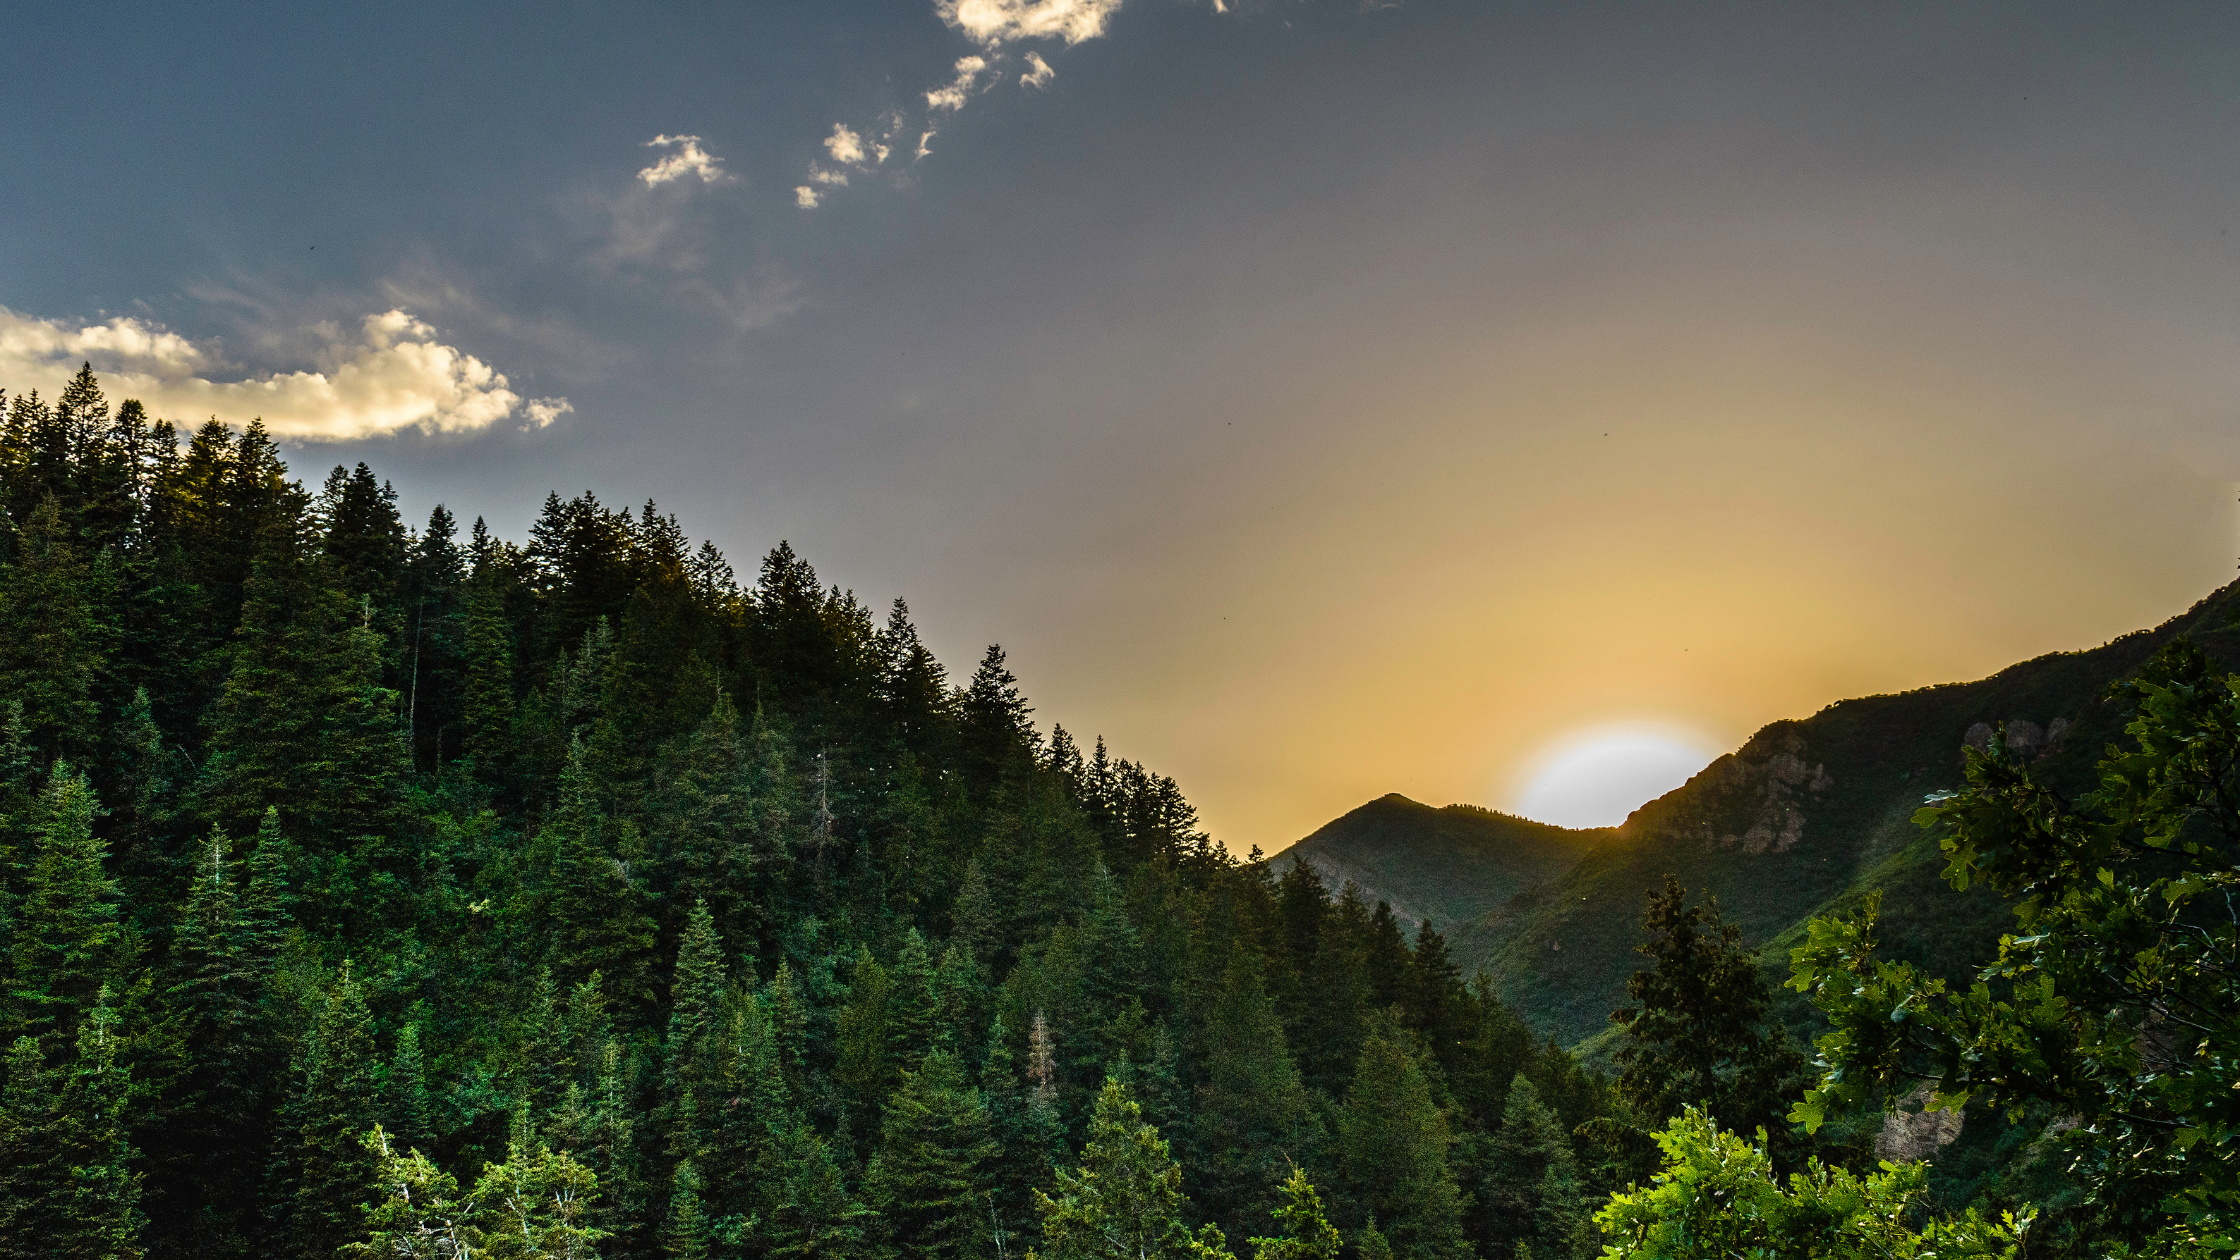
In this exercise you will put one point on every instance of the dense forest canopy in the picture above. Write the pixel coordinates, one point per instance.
(725, 896)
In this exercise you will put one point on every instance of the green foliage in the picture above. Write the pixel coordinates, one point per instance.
(2114, 1001)
(1306, 1234)
(1533, 1204)
(1697, 1033)
(1393, 1141)
(1125, 1201)
(68, 938)
(1717, 1196)
(931, 1179)
(531, 1206)
(338, 1096)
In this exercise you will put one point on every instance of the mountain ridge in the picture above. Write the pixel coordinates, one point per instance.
(1808, 816)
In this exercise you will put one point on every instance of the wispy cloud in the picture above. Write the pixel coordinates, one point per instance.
(959, 90)
(994, 23)
(993, 27)
(686, 161)
(390, 374)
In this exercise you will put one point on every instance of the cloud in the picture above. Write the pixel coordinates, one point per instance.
(844, 144)
(959, 90)
(994, 23)
(387, 376)
(541, 412)
(993, 26)
(688, 160)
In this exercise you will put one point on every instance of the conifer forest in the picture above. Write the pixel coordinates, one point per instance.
(603, 899)
(377, 887)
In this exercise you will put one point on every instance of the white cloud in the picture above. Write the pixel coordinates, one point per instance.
(389, 375)
(807, 197)
(994, 23)
(1038, 72)
(959, 89)
(688, 160)
(541, 412)
(925, 144)
(844, 144)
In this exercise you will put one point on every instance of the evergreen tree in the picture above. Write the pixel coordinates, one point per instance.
(101, 1219)
(339, 1098)
(52, 645)
(411, 1123)
(1393, 1142)
(1529, 1202)
(931, 1178)
(1252, 1114)
(33, 1169)
(1125, 1202)
(1697, 1031)
(68, 941)
(687, 1234)
(489, 706)
(217, 1108)
(1306, 1233)
(811, 1212)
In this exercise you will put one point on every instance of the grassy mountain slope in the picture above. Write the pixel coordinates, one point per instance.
(1810, 816)
(1446, 865)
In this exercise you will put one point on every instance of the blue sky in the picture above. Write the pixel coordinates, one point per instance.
(1246, 373)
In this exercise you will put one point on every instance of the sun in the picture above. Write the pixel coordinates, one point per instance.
(1595, 777)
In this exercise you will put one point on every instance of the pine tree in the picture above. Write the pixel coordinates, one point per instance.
(693, 1075)
(686, 1234)
(411, 1124)
(52, 644)
(68, 941)
(1252, 1114)
(33, 1168)
(1306, 1233)
(489, 704)
(216, 1110)
(1125, 1202)
(1697, 1031)
(1393, 1142)
(339, 1100)
(810, 1210)
(1530, 1202)
(602, 913)
(101, 1219)
(931, 1177)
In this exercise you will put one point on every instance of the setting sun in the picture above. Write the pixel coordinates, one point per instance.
(1595, 777)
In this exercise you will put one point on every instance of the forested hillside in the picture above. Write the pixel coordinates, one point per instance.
(1440, 866)
(1806, 819)
(666, 914)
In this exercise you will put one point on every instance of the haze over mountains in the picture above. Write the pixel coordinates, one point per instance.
(1806, 817)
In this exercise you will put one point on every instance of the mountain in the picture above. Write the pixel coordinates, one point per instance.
(1446, 865)
(1807, 817)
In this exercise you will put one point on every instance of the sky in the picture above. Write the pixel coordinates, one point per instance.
(1317, 400)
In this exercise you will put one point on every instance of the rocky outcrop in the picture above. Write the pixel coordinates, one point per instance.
(2025, 738)
(1915, 1132)
(1754, 799)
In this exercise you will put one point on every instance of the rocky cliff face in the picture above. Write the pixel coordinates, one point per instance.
(1754, 799)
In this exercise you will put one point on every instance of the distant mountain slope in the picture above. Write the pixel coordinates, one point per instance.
(1446, 865)
(1812, 815)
